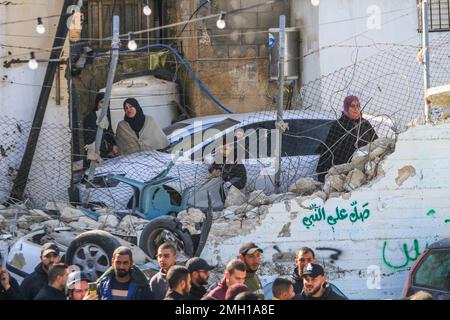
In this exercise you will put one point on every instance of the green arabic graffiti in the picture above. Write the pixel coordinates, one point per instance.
(408, 257)
(429, 213)
(341, 214)
(447, 221)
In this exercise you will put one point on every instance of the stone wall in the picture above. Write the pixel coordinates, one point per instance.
(233, 63)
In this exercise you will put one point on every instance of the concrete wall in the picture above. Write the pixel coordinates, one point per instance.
(233, 62)
(19, 93)
(407, 207)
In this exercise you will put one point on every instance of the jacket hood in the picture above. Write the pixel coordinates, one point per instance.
(295, 275)
(40, 269)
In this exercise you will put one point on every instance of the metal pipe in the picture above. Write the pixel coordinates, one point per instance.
(279, 124)
(112, 71)
(426, 57)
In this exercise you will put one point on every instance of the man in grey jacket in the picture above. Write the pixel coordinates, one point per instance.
(167, 257)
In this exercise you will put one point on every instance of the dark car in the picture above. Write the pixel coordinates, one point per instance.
(431, 272)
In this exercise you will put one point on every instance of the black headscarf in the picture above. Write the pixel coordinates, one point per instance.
(137, 122)
(100, 96)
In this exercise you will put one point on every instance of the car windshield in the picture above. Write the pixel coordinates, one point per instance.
(434, 271)
(198, 137)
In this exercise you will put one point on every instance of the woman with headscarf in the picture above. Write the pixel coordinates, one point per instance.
(138, 132)
(108, 148)
(347, 134)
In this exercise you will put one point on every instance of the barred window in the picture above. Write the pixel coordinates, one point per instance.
(438, 15)
(99, 15)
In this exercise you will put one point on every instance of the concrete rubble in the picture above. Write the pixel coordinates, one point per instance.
(241, 214)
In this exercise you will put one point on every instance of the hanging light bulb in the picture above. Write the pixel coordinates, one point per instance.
(40, 26)
(132, 45)
(221, 22)
(147, 10)
(32, 63)
(315, 3)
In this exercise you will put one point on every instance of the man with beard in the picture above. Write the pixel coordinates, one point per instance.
(250, 254)
(315, 285)
(304, 256)
(234, 274)
(167, 257)
(37, 280)
(199, 270)
(57, 279)
(123, 281)
(179, 282)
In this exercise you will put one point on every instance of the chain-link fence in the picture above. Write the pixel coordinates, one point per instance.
(389, 86)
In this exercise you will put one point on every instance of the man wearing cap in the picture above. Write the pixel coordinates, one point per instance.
(199, 270)
(35, 281)
(77, 287)
(250, 254)
(315, 285)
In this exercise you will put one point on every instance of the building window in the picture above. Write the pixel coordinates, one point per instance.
(99, 15)
(438, 15)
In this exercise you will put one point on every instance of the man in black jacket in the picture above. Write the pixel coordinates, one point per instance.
(35, 281)
(199, 270)
(179, 282)
(315, 285)
(304, 256)
(57, 279)
(346, 134)
(9, 288)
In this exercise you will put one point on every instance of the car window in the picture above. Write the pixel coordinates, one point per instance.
(195, 138)
(304, 136)
(434, 271)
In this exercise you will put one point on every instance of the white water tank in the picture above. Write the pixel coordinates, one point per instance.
(156, 97)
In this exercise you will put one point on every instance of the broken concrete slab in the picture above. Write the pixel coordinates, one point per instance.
(48, 224)
(305, 186)
(190, 217)
(355, 179)
(39, 216)
(108, 221)
(70, 214)
(340, 169)
(85, 222)
(235, 197)
(258, 198)
(130, 223)
(334, 184)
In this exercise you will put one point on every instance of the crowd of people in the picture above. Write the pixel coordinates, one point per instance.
(53, 280)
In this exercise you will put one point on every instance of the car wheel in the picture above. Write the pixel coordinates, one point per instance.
(92, 251)
(165, 229)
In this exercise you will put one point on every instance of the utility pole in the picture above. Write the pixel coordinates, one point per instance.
(280, 126)
(426, 57)
(112, 71)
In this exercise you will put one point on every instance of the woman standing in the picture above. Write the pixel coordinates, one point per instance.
(347, 134)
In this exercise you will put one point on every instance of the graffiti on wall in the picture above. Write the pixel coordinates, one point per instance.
(341, 214)
(408, 255)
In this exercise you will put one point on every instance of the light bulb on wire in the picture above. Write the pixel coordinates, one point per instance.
(32, 63)
(147, 10)
(40, 26)
(221, 21)
(315, 3)
(132, 45)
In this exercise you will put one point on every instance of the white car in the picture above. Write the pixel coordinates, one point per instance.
(197, 143)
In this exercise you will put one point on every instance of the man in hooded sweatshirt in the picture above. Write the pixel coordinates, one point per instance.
(346, 134)
(250, 254)
(304, 256)
(138, 132)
